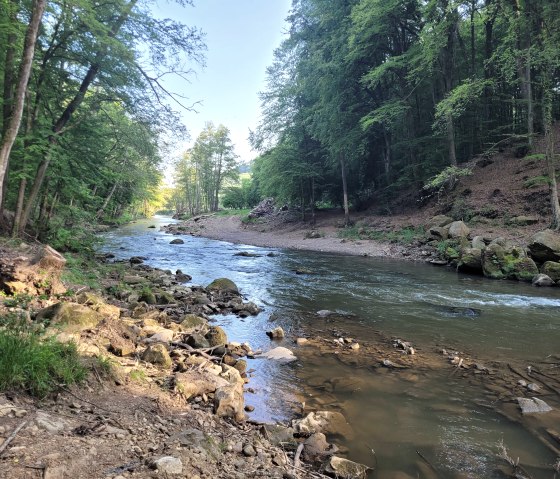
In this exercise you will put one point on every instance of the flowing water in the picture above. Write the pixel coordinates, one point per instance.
(393, 415)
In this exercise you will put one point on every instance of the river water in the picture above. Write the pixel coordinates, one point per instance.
(393, 415)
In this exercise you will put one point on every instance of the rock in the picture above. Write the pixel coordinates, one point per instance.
(223, 285)
(524, 269)
(157, 354)
(302, 271)
(195, 383)
(545, 246)
(136, 260)
(276, 333)
(264, 208)
(478, 242)
(533, 406)
(169, 465)
(191, 322)
(326, 422)
(177, 241)
(229, 402)
(249, 451)
(279, 435)
(492, 260)
(356, 346)
(216, 336)
(162, 336)
(133, 279)
(523, 220)
(302, 341)
(197, 341)
(323, 313)
(121, 348)
(164, 297)
(315, 448)
(182, 277)
(458, 229)
(542, 280)
(246, 254)
(470, 260)
(438, 233)
(70, 317)
(249, 408)
(551, 269)
(279, 354)
(345, 469)
(49, 423)
(98, 304)
(439, 220)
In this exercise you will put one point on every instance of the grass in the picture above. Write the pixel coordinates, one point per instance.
(82, 271)
(404, 235)
(33, 363)
(233, 212)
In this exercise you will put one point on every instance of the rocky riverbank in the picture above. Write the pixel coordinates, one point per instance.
(165, 393)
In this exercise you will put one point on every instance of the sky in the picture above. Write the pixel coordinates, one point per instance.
(241, 36)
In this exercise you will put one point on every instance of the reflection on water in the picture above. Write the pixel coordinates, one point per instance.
(392, 415)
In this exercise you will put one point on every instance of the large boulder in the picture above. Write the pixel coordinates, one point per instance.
(157, 354)
(438, 233)
(70, 317)
(223, 285)
(512, 263)
(545, 246)
(98, 304)
(551, 269)
(229, 402)
(458, 229)
(192, 322)
(216, 336)
(470, 260)
(196, 383)
(439, 220)
(478, 242)
(542, 280)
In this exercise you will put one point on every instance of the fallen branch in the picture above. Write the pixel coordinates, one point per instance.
(11, 437)
(297, 462)
(430, 465)
(202, 351)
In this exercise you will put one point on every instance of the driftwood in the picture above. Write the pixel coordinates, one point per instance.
(201, 351)
(297, 463)
(11, 437)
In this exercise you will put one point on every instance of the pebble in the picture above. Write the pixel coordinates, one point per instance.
(355, 346)
(169, 465)
(249, 451)
(249, 408)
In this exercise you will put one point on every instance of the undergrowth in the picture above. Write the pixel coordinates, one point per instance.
(404, 235)
(35, 363)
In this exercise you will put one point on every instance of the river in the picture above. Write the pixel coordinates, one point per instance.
(393, 415)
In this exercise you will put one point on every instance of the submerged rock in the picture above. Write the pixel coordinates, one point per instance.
(276, 333)
(345, 469)
(280, 354)
(326, 422)
(542, 280)
(177, 241)
(533, 406)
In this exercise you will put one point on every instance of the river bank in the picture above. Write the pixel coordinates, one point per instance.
(331, 340)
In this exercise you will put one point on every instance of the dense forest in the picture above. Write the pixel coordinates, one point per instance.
(367, 98)
(86, 117)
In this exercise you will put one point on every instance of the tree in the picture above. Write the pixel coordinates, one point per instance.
(16, 109)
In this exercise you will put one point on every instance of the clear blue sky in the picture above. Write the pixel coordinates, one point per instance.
(241, 36)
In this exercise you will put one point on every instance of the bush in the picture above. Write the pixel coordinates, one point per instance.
(33, 363)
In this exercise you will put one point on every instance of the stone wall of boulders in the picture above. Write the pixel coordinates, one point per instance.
(497, 258)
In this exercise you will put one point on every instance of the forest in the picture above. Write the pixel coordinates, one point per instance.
(366, 99)
(86, 115)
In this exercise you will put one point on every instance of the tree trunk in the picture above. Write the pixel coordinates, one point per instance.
(19, 206)
(12, 128)
(451, 140)
(549, 150)
(344, 189)
(58, 127)
(313, 200)
(107, 199)
(9, 65)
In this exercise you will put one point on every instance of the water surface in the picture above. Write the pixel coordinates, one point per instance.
(393, 416)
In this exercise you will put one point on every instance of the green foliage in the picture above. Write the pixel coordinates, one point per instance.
(402, 236)
(537, 181)
(34, 363)
(449, 249)
(445, 177)
(18, 300)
